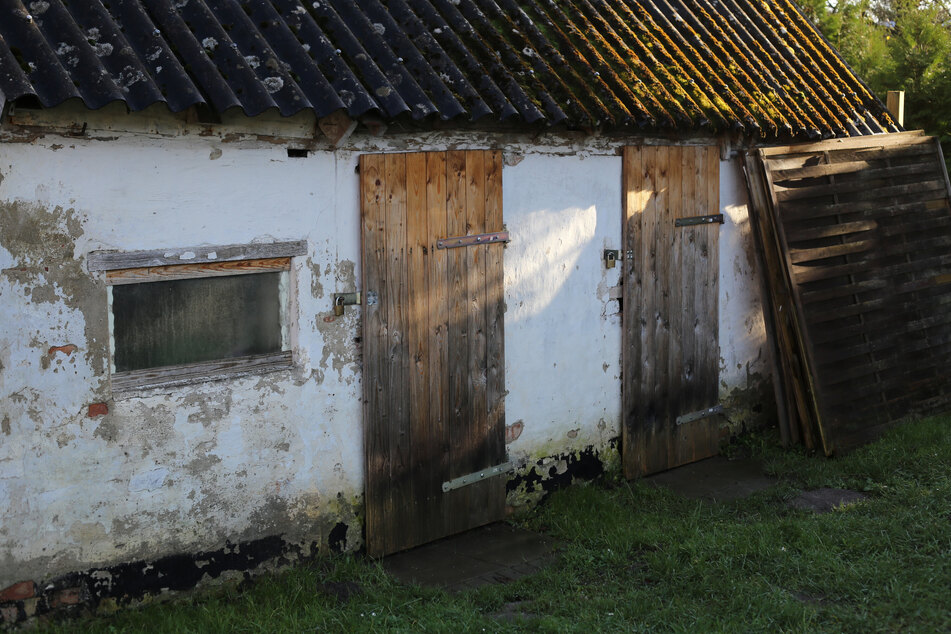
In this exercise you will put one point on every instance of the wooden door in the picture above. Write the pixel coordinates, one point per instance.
(670, 323)
(433, 345)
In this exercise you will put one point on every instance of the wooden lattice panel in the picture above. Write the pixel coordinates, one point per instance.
(857, 237)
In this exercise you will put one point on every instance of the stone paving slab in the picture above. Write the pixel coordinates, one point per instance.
(717, 479)
(493, 554)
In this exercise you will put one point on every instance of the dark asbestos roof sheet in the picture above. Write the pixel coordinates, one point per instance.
(751, 66)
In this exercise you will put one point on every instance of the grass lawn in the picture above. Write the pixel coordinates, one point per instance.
(639, 558)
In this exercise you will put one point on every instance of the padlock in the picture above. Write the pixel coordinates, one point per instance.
(610, 258)
(338, 306)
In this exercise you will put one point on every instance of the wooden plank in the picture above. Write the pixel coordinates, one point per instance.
(779, 167)
(477, 455)
(932, 201)
(456, 506)
(112, 260)
(801, 256)
(192, 271)
(190, 373)
(841, 229)
(425, 488)
(495, 331)
(372, 188)
(783, 177)
(858, 192)
(832, 145)
(709, 303)
(634, 291)
(399, 492)
(658, 231)
(789, 190)
(677, 303)
(438, 285)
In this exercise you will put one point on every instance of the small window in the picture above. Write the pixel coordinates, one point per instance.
(223, 313)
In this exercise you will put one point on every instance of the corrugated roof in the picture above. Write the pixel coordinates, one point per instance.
(752, 66)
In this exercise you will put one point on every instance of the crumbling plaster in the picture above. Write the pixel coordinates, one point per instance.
(188, 468)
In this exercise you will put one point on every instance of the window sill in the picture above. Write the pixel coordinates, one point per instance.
(124, 383)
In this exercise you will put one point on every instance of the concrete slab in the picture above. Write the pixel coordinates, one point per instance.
(497, 553)
(716, 479)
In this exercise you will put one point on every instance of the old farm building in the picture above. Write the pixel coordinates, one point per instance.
(278, 277)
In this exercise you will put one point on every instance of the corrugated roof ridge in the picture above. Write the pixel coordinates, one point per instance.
(814, 37)
(739, 25)
(455, 50)
(436, 58)
(698, 56)
(350, 91)
(751, 74)
(571, 79)
(694, 82)
(500, 74)
(780, 58)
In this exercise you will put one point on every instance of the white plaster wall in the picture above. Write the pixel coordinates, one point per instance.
(185, 469)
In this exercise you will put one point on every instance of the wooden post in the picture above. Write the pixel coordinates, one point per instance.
(895, 102)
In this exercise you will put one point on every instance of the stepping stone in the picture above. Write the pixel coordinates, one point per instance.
(716, 479)
(493, 554)
(825, 499)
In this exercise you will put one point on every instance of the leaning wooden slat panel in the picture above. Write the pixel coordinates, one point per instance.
(495, 333)
(377, 466)
(396, 355)
(417, 314)
(460, 414)
(438, 285)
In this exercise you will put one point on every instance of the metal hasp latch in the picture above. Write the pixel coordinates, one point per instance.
(345, 299)
(699, 220)
(478, 476)
(466, 241)
(703, 413)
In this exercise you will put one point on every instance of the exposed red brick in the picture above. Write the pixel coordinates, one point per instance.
(18, 591)
(67, 596)
(9, 614)
(98, 409)
(68, 349)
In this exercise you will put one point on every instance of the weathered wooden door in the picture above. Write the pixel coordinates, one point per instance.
(433, 345)
(670, 348)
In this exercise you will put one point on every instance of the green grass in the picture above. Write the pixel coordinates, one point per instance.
(639, 558)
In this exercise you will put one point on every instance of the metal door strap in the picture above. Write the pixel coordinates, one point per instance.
(704, 413)
(466, 241)
(477, 476)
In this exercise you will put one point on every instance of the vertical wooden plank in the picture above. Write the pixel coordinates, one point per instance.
(495, 333)
(374, 246)
(638, 197)
(427, 493)
(675, 301)
(396, 354)
(478, 454)
(658, 228)
(438, 284)
(457, 502)
(707, 305)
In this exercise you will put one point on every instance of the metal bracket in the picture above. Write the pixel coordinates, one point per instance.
(466, 241)
(699, 220)
(372, 298)
(346, 299)
(704, 413)
(478, 476)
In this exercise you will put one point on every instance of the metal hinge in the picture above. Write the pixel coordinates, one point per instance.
(478, 476)
(704, 413)
(466, 241)
(699, 220)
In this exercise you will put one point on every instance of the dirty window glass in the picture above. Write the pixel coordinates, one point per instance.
(188, 321)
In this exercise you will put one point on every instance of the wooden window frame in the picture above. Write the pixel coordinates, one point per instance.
(141, 267)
